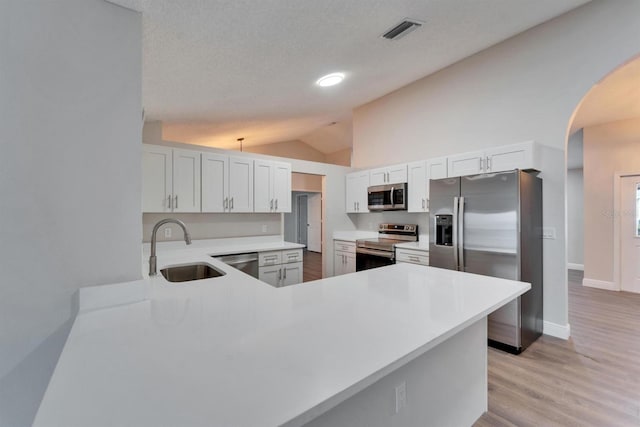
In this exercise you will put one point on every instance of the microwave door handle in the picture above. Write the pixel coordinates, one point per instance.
(455, 233)
(392, 200)
(461, 234)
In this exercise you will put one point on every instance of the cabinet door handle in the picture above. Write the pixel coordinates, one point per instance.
(276, 204)
(358, 206)
(271, 205)
(176, 202)
(284, 277)
(488, 164)
(231, 204)
(225, 204)
(422, 203)
(169, 201)
(481, 164)
(279, 274)
(427, 203)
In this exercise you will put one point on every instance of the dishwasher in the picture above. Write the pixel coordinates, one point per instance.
(247, 263)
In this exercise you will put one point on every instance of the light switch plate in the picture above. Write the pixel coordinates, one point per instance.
(167, 233)
(548, 232)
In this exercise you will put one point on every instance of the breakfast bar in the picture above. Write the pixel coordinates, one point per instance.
(401, 345)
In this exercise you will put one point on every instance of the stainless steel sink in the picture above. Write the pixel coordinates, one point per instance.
(187, 273)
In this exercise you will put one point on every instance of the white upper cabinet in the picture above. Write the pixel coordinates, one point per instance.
(498, 159)
(470, 163)
(418, 187)
(515, 156)
(357, 184)
(215, 182)
(282, 187)
(395, 174)
(157, 178)
(272, 186)
(227, 183)
(420, 173)
(241, 184)
(170, 179)
(437, 168)
(186, 181)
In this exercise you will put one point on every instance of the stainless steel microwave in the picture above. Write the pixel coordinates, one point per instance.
(390, 197)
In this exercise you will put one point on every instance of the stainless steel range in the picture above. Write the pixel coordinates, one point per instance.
(380, 251)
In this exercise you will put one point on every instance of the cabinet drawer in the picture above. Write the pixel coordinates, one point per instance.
(292, 255)
(344, 246)
(413, 257)
(269, 258)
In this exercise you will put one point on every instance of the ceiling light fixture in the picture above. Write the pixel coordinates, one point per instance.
(330, 79)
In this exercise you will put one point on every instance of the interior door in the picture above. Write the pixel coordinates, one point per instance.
(314, 222)
(630, 234)
(302, 219)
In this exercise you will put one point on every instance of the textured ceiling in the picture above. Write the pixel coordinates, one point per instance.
(216, 70)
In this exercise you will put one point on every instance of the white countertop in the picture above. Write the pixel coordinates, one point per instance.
(215, 247)
(234, 351)
(353, 235)
(422, 245)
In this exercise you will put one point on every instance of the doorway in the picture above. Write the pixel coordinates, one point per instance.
(305, 223)
(627, 232)
(307, 219)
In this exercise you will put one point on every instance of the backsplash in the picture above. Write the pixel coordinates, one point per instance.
(213, 225)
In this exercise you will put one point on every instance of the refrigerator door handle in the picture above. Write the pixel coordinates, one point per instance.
(454, 235)
(461, 233)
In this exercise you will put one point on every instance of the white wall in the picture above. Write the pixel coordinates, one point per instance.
(608, 148)
(575, 218)
(524, 88)
(70, 114)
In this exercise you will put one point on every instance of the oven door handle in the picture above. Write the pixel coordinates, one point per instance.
(382, 254)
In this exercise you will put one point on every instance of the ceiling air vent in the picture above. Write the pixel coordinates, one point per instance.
(402, 29)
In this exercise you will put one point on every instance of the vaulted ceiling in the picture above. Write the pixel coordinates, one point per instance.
(216, 70)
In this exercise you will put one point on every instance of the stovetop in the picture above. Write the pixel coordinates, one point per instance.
(389, 235)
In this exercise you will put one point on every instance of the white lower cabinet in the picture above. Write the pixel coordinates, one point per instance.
(281, 268)
(412, 256)
(344, 258)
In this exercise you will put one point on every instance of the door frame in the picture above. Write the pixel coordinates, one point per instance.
(617, 241)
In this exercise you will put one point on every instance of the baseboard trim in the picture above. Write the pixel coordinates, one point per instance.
(599, 284)
(557, 330)
(572, 266)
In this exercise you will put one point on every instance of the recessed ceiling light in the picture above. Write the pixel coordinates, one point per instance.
(330, 79)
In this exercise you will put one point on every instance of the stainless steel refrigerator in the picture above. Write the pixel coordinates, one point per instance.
(491, 224)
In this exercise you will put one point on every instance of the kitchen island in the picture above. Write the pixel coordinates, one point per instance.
(234, 351)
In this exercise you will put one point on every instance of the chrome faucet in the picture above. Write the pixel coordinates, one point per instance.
(153, 259)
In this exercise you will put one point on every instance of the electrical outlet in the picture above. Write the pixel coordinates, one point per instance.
(167, 233)
(548, 233)
(264, 228)
(401, 396)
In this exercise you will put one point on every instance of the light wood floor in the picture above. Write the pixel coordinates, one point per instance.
(593, 379)
(311, 266)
